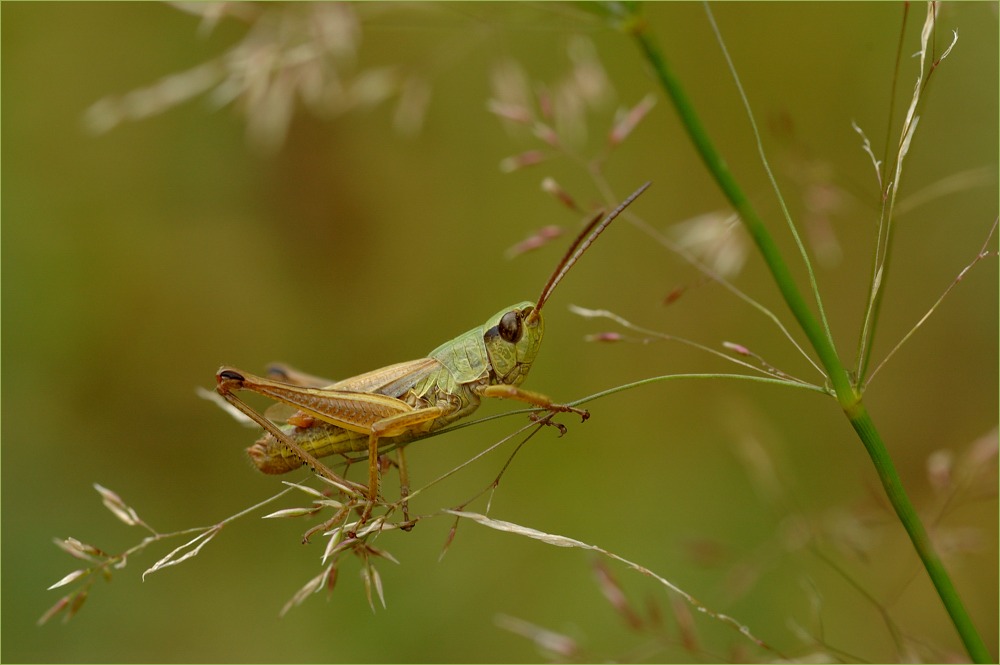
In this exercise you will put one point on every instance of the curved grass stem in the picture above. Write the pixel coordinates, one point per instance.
(848, 398)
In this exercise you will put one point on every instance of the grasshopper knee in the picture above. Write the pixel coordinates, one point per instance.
(227, 380)
(229, 375)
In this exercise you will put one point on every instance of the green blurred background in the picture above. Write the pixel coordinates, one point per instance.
(138, 261)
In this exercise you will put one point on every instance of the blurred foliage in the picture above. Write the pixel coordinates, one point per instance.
(342, 232)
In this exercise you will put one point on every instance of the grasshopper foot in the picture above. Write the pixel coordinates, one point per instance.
(547, 420)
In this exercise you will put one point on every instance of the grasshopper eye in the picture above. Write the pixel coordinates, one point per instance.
(510, 327)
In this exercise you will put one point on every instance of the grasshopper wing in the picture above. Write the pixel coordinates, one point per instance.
(393, 380)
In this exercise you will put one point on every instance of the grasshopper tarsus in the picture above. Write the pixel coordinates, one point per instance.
(547, 420)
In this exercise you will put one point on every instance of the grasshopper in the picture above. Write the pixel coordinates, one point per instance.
(400, 403)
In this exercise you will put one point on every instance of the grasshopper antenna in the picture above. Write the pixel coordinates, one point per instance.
(583, 241)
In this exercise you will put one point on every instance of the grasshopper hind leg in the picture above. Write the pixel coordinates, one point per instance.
(229, 380)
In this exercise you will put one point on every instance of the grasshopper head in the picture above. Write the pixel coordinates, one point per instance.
(512, 339)
(513, 334)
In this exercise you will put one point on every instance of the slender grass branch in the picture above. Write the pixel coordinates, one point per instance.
(983, 253)
(705, 269)
(894, 87)
(563, 541)
(652, 335)
(770, 174)
(104, 563)
(883, 247)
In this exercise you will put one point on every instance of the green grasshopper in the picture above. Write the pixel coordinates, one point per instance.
(397, 404)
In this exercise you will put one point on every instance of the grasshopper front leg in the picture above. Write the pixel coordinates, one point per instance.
(505, 391)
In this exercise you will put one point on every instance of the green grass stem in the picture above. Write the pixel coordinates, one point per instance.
(848, 398)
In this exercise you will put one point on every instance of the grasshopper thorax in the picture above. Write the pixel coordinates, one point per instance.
(512, 338)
